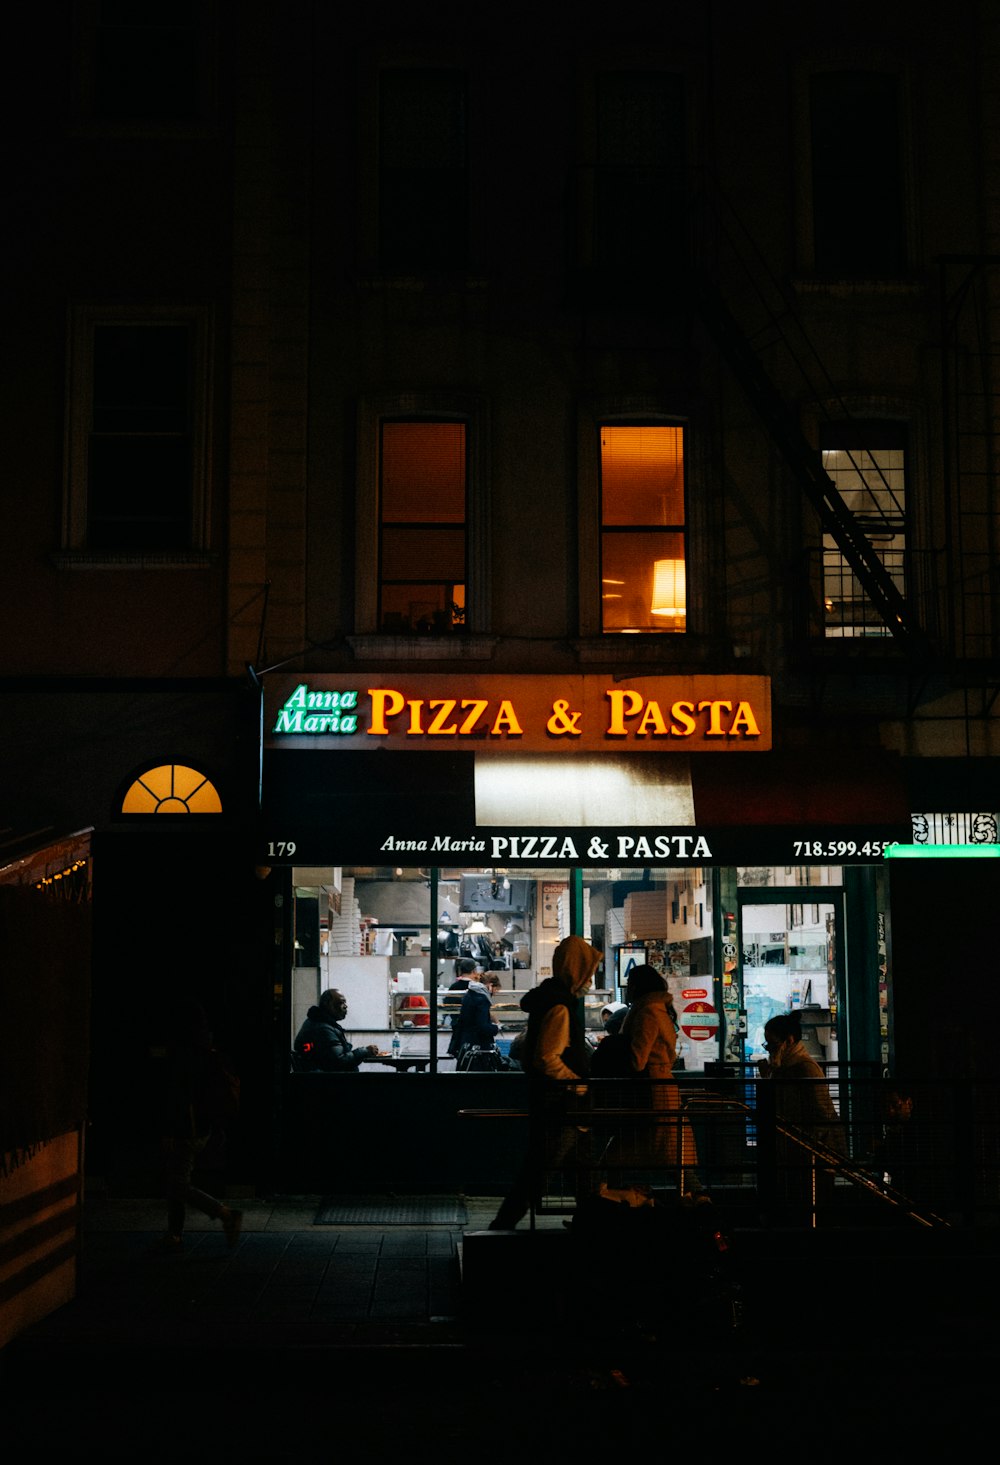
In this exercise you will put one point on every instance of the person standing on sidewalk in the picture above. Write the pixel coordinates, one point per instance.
(201, 1094)
(554, 1053)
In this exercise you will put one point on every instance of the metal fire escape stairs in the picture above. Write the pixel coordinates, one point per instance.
(805, 465)
(777, 327)
(954, 639)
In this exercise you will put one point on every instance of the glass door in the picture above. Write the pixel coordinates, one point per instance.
(790, 962)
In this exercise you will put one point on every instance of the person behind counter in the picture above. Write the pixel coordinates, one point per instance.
(466, 971)
(322, 1043)
(474, 1027)
(612, 1017)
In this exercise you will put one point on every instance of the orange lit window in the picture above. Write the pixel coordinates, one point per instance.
(643, 552)
(422, 528)
(172, 788)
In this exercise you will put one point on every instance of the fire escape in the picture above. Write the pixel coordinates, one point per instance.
(931, 615)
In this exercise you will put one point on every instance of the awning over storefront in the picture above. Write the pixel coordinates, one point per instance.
(808, 788)
(952, 785)
(394, 808)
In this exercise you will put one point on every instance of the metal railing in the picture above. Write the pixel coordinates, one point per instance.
(933, 1162)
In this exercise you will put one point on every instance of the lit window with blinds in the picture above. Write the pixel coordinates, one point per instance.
(422, 528)
(643, 537)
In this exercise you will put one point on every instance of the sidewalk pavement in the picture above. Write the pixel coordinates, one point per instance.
(359, 1339)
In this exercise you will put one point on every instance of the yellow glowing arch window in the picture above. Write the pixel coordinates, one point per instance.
(172, 789)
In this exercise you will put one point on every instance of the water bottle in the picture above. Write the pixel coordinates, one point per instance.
(395, 1045)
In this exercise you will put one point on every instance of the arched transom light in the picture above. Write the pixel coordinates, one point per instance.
(172, 788)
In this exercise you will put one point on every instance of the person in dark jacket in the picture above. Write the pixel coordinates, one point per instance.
(474, 1027)
(466, 971)
(322, 1044)
(199, 1095)
(553, 1053)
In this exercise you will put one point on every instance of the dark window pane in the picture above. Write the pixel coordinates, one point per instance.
(141, 377)
(639, 119)
(140, 469)
(146, 65)
(139, 493)
(639, 210)
(423, 170)
(857, 187)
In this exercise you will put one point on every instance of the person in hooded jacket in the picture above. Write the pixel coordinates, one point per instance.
(650, 1031)
(554, 1052)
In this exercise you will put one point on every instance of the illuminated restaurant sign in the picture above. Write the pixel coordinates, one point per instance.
(584, 713)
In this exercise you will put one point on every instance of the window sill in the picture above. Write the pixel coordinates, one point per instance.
(422, 648)
(86, 559)
(420, 282)
(150, 129)
(660, 648)
(845, 288)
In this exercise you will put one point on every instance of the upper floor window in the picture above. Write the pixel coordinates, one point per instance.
(638, 220)
(137, 429)
(857, 174)
(145, 66)
(422, 527)
(867, 464)
(643, 534)
(423, 170)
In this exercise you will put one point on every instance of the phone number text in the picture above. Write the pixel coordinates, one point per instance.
(840, 848)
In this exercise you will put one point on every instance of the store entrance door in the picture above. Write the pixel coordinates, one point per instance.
(790, 960)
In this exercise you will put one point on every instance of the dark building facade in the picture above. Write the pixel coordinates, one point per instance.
(511, 471)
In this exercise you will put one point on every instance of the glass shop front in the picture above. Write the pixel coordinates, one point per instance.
(397, 942)
(404, 872)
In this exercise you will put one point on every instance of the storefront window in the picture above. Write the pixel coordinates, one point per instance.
(790, 875)
(663, 918)
(394, 941)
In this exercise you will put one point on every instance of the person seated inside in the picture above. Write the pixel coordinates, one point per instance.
(321, 1043)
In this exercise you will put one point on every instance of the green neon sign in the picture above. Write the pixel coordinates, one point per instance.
(318, 712)
(942, 852)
